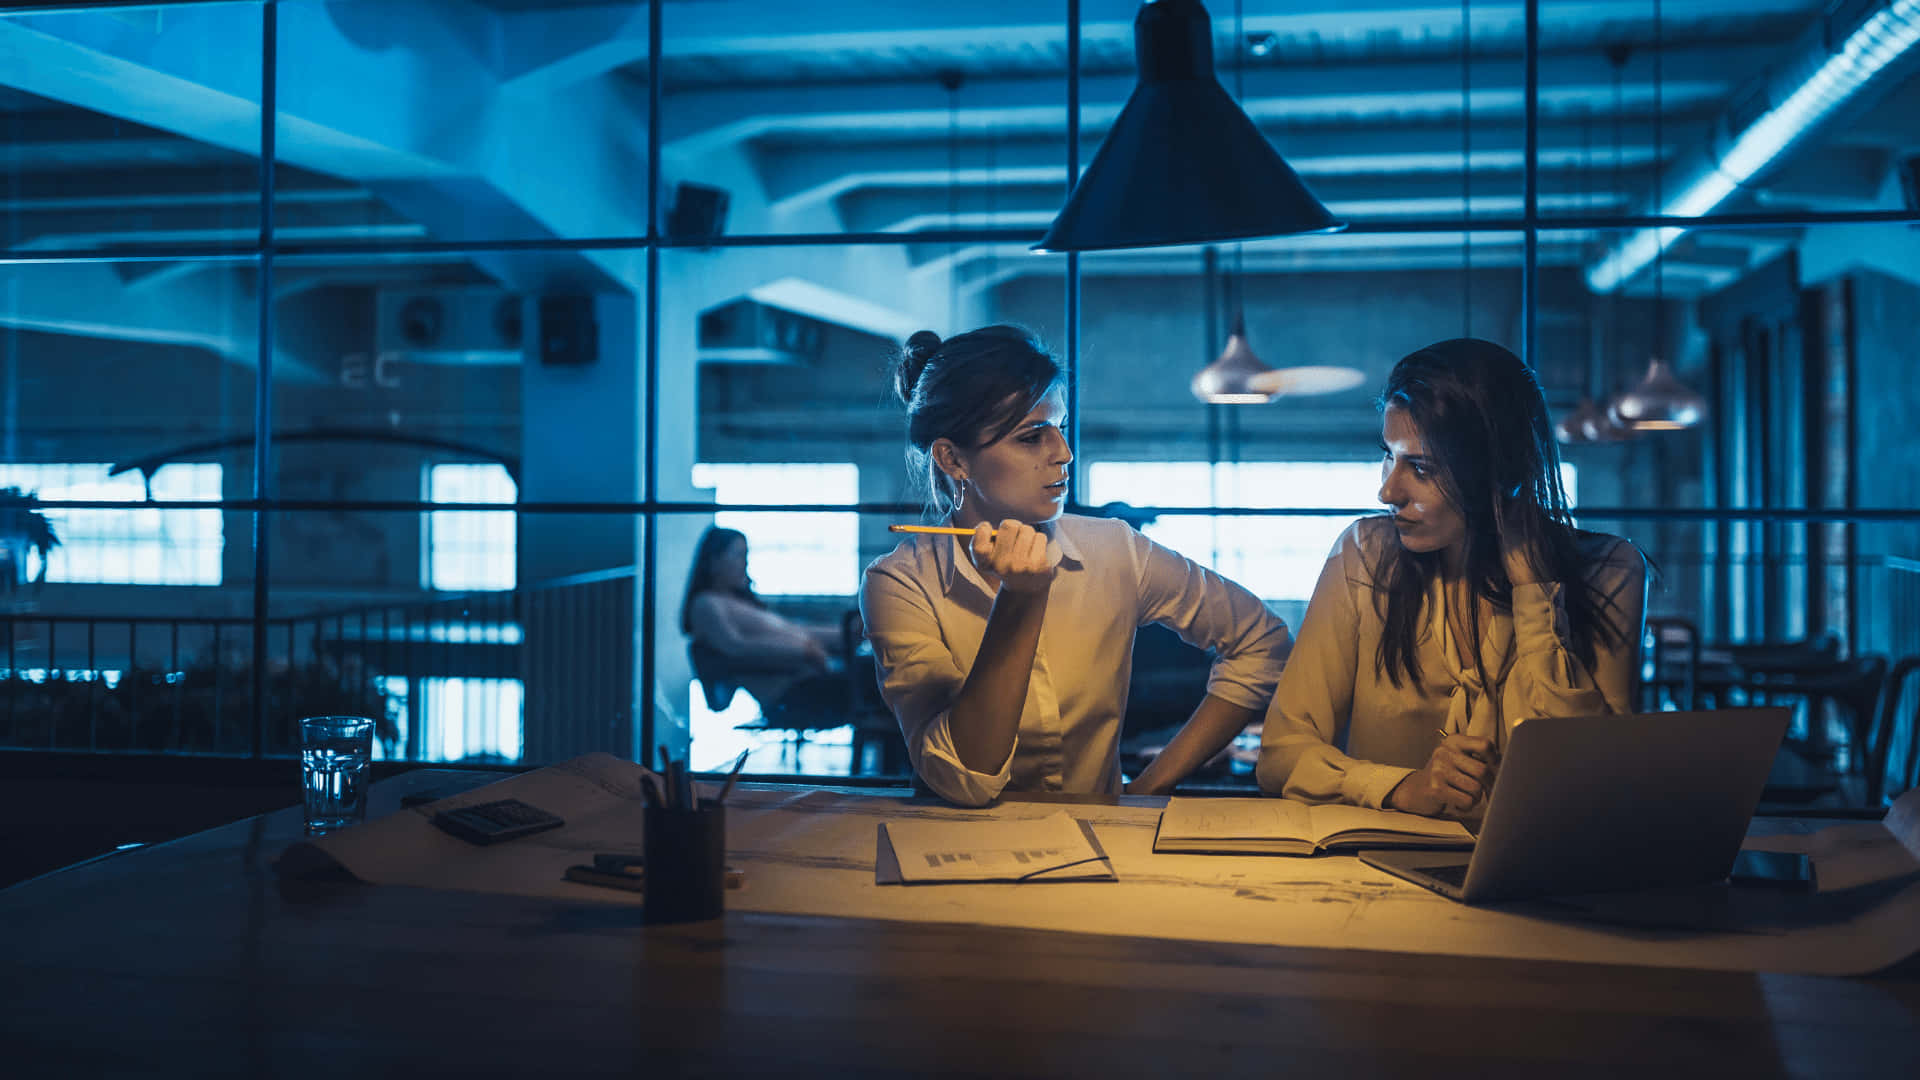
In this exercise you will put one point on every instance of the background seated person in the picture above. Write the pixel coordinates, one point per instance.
(785, 665)
(1474, 606)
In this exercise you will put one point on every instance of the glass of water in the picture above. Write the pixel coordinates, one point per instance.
(334, 751)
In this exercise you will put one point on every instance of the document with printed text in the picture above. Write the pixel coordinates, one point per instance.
(1052, 848)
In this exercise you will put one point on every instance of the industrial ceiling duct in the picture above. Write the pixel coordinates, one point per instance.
(1853, 47)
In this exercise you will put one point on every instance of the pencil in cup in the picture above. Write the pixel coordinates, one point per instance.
(932, 530)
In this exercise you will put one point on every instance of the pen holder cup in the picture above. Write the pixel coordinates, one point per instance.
(686, 858)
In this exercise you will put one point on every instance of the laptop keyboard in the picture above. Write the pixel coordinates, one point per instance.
(1451, 875)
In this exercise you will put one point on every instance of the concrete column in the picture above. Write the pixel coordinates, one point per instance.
(678, 437)
(580, 441)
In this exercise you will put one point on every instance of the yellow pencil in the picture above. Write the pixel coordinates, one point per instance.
(931, 530)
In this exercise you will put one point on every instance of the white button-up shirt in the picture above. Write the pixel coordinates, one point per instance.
(926, 608)
(1340, 731)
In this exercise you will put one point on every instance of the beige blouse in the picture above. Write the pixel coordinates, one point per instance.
(1339, 731)
(926, 611)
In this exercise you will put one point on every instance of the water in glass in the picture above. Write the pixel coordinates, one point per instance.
(333, 766)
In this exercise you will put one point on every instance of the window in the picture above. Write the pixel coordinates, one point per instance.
(1279, 558)
(814, 554)
(471, 549)
(462, 718)
(132, 546)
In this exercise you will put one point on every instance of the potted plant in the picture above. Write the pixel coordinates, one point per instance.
(23, 528)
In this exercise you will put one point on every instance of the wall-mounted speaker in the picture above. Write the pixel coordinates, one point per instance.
(569, 334)
(699, 212)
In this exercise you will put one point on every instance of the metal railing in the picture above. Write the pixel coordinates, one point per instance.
(186, 684)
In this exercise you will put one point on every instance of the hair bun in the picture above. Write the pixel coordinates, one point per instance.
(913, 360)
(922, 344)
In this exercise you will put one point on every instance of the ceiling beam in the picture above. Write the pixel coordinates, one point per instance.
(1296, 95)
(795, 172)
(546, 48)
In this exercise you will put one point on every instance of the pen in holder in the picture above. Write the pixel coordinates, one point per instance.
(686, 853)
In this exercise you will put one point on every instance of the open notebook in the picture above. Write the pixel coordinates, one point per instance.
(1286, 827)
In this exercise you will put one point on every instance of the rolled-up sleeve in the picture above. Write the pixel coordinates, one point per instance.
(1250, 643)
(1548, 678)
(1314, 701)
(919, 681)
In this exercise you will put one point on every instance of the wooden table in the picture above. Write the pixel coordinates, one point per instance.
(193, 958)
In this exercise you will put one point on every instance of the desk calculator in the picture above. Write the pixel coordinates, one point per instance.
(492, 822)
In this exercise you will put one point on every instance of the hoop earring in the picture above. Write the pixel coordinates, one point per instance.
(961, 500)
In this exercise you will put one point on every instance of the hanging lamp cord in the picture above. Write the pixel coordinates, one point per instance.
(1618, 56)
(1659, 188)
(1466, 169)
(1240, 99)
(950, 79)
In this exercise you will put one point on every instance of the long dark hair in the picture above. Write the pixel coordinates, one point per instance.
(700, 578)
(971, 389)
(1483, 419)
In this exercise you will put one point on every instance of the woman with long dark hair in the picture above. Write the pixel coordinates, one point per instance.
(1473, 606)
(760, 651)
(1005, 655)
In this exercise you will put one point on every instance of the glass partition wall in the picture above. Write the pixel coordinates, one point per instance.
(394, 356)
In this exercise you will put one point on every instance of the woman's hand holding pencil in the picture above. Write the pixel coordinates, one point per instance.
(1457, 776)
(1017, 554)
(1021, 556)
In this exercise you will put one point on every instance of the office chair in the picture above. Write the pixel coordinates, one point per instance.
(713, 668)
(873, 722)
(1670, 662)
(1888, 729)
(816, 703)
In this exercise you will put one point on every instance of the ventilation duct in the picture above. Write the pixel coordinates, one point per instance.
(1844, 53)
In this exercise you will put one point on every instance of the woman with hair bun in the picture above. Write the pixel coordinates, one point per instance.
(1006, 655)
(1471, 607)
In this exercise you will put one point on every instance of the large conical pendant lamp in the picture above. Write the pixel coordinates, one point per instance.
(1182, 164)
(1230, 380)
(1659, 403)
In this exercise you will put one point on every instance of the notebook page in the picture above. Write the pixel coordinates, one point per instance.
(1332, 819)
(1236, 819)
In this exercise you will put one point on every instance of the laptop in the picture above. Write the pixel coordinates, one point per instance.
(1609, 803)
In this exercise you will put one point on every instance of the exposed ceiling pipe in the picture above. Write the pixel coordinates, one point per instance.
(1847, 50)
